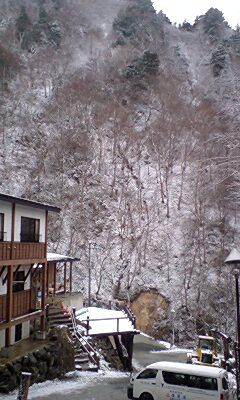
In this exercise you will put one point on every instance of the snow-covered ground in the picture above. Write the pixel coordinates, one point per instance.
(72, 382)
(172, 350)
(105, 321)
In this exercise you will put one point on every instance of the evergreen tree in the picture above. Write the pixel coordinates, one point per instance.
(43, 16)
(23, 22)
(55, 33)
(23, 28)
(146, 65)
(218, 60)
(57, 4)
(213, 22)
(134, 21)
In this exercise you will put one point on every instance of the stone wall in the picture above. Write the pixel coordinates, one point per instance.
(51, 361)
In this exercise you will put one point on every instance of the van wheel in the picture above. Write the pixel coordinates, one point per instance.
(146, 396)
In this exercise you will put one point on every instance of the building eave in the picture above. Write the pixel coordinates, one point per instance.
(30, 203)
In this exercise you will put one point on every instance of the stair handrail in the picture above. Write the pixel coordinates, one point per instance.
(127, 311)
(95, 358)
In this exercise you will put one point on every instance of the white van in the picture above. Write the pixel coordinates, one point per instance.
(176, 381)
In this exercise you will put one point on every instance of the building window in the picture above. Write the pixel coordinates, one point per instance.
(1, 227)
(30, 230)
(19, 280)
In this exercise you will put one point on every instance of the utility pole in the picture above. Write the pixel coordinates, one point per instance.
(173, 326)
(89, 273)
(234, 260)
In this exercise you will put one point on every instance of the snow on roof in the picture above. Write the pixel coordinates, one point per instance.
(60, 257)
(105, 321)
(206, 337)
(200, 370)
(233, 257)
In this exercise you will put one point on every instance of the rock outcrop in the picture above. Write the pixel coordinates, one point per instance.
(151, 310)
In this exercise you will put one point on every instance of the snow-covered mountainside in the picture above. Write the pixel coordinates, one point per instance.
(131, 126)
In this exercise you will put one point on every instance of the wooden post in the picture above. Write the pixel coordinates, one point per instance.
(88, 325)
(9, 309)
(119, 350)
(24, 386)
(128, 343)
(134, 322)
(43, 297)
(54, 278)
(46, 233)
(47, 278)
(13, 230)
(238, 334)
(70, 277)
(47, 312)
(65, 277)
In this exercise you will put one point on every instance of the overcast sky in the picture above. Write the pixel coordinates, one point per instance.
(179, 10)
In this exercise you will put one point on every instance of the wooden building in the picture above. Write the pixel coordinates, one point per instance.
(23, 249)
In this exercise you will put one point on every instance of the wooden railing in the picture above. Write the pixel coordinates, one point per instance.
(21, 304)
(21, 251)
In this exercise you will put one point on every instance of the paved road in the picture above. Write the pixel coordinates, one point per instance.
(102, 386)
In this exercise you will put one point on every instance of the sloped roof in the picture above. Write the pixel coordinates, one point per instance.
(30, 203)
(55, 257)
(233, 257)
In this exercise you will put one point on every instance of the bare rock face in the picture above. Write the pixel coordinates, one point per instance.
(151, 310)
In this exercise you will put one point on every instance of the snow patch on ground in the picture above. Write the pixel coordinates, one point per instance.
(172, 350)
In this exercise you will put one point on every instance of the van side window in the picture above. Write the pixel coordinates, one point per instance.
(174, 378)
(208, 383)
(194, 381)
(148, 374)
(202, 382)
(224, 384)
(199, 382)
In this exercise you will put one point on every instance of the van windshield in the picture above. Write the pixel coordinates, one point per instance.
(148, 374)
(194, 381)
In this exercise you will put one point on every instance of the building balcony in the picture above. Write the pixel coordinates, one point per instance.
(21, 305)
(22, 251)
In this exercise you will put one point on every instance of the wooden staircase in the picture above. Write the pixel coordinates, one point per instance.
(86, 358)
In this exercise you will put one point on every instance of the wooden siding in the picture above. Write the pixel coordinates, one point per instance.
(21, 304)
(22, 251)
(3, 307)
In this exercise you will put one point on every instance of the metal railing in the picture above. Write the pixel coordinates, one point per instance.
(117, 319)
(93, 355)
